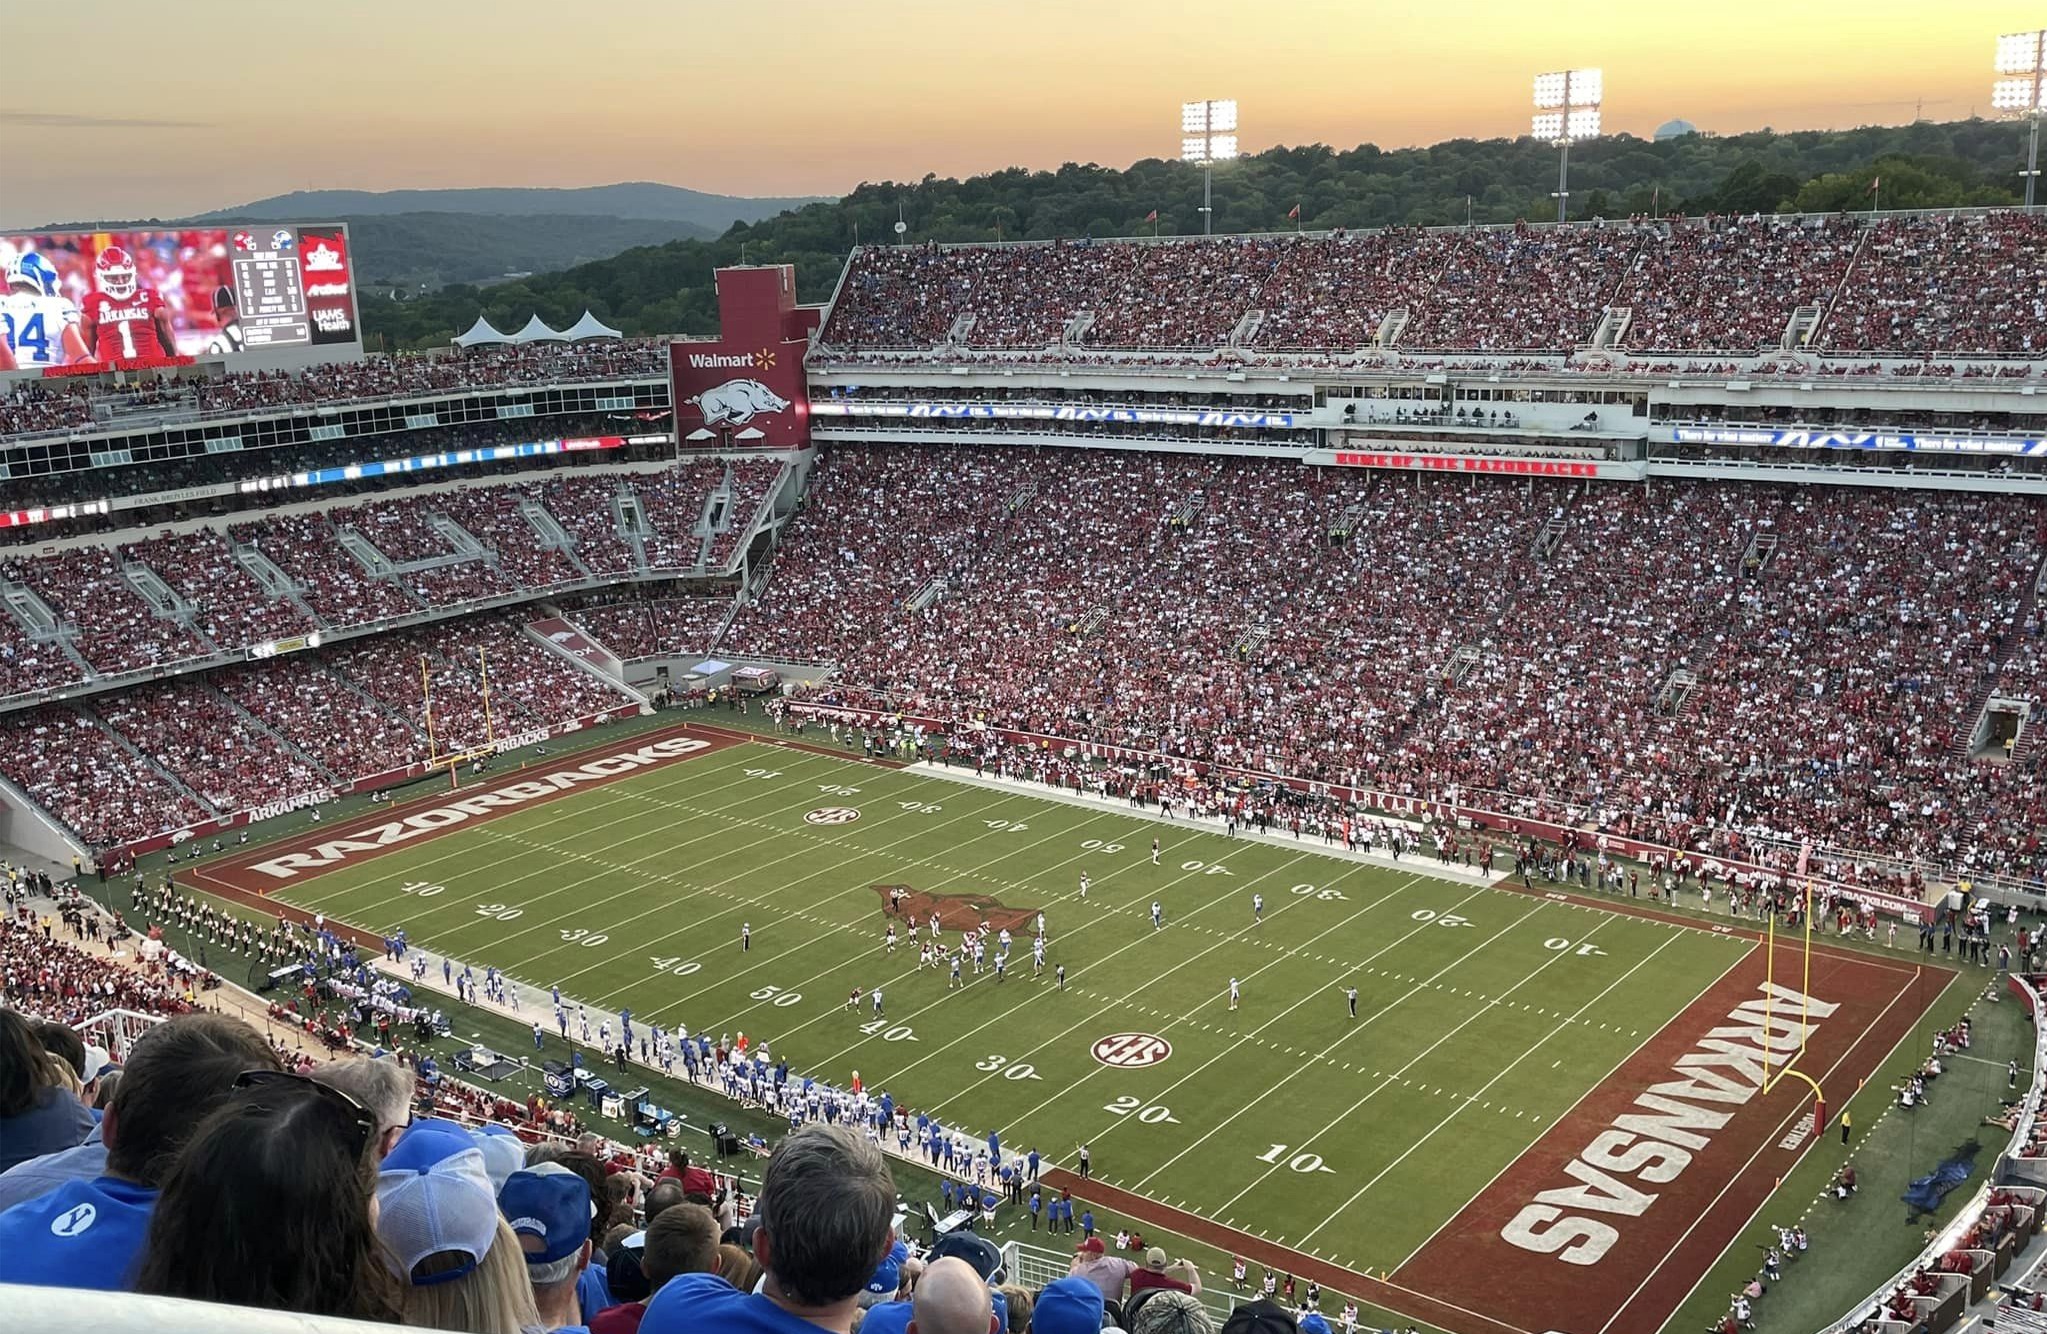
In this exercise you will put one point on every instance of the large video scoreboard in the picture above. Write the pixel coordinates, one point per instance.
(76, 302)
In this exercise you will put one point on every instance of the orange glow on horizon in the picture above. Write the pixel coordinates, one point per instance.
(805, 97)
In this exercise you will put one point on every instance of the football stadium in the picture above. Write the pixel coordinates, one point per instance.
(1242, 772)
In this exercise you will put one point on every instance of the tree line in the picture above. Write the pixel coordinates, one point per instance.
(668, 288)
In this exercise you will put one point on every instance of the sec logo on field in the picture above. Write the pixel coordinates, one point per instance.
(1130, 1051)
(832, 815)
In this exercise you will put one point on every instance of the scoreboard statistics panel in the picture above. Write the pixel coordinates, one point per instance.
(78, 302)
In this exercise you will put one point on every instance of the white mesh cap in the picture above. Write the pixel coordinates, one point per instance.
(434, 1195)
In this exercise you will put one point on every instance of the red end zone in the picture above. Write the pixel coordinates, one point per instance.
(249, 876)
(1608, 1221)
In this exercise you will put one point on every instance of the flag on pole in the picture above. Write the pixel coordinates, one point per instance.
(1152, 216)
(1295, 213)
(1874, 182)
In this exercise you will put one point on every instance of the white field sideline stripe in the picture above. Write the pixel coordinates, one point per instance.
(1096, 1017)
(1371, 1019)
(1592, 1089)
(1769, 1142)
(1465, 1103)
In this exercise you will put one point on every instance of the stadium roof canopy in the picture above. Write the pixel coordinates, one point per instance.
(536, 331)
(590, 327)
(480, 333)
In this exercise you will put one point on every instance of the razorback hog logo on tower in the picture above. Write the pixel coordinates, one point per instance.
(745, 389)
(737, 402)
(956, 912)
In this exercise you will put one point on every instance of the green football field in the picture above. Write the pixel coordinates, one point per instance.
(1482, 1015)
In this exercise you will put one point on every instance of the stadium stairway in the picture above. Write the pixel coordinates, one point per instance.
(163, 775)
(283, 742)
(2007, 644)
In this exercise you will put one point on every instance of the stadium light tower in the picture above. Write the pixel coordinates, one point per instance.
(1567, 106)
(1208, 135)
(2023, 57)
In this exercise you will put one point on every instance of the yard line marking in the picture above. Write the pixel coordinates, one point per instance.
(1503, 1072)
(1132, 943)
(766, 899)
(1365, 1023)
(1065, 933)
(1591, 1089)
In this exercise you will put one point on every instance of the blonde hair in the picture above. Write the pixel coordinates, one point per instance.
(493, 1298)
(58, 1073)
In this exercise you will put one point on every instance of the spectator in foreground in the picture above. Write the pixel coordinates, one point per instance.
(1107, 1272)
(177, 1073)
(380, 1084)
(826, 1207)
(682, 1239)
(1159, 1275)
(1070, 1305)
(1264, 1316)
(38, 1113)
(1168, 1312)
(695, 1180)
(952, 1299)
(549, 1208)
(269, 1205)
(593, 1290)
(437, 1213)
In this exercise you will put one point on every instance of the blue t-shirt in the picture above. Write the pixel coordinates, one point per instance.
(691, 1303)
(84, 1234)
(593, 1292)
(55, 1121)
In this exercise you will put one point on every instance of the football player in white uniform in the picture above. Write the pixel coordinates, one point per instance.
(37, 321)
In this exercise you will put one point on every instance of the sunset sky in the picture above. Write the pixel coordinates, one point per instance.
(236, 101)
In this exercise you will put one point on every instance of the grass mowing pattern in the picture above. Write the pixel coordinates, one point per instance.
(1480, 1020)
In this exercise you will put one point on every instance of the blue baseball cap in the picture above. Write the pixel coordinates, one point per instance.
(434, 1197)
(503, 1152)
(552, 1203)
(1072, 1305)
(888, 1276)
(1313, 1323)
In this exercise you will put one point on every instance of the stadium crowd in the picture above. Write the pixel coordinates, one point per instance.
(31, 407)
(122, 767)
(1911, 286)
(1491, 640)
(177, 597)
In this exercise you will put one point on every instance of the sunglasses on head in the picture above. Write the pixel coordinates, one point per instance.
(362, 1123)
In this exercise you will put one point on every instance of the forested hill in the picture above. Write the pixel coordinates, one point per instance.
(667, 288)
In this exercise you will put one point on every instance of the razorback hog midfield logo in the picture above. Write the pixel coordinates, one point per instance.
(737, 402)
(956, 912)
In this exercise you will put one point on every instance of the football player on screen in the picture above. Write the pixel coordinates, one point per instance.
(123, 320)
(38, 323)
